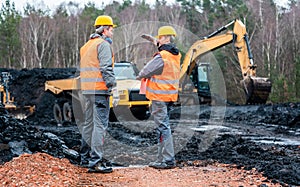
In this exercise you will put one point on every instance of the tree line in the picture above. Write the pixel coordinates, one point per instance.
(41, 38)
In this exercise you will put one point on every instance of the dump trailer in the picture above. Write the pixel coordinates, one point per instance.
(257, 89)
(7, 102)
(132, 105)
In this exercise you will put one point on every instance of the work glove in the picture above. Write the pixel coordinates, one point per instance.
(150, 38)
(116, 97)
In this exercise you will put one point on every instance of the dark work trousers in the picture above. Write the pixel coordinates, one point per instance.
(161, 114)
(85, 150)
(96, 122)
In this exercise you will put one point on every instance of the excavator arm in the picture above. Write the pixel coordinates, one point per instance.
(257, 89)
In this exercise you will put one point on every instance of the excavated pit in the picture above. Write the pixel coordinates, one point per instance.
(265, 137)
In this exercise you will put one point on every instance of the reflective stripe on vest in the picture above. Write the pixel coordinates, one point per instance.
(164, 87)
(90, 75)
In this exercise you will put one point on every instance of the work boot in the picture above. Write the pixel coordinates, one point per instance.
(162, 165)
(107, 163)
(100, 167)
(84, 164)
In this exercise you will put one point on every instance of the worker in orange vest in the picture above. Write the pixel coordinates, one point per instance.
(97, 81)
(162, 86)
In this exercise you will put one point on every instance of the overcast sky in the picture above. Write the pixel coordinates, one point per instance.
(52, 4)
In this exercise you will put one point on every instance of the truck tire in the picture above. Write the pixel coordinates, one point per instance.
(57, 113)
(67, 112)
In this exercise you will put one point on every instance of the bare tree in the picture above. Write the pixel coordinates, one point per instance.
(40, 33)
(59, 40)
(25, 42)
(74, 28)
(137, 19)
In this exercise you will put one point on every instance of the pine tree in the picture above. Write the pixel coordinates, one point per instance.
(10, 40)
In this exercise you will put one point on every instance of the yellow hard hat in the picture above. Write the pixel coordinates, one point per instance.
(104, 20)
(166, 30)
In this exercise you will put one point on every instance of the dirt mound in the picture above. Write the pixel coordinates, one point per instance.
(39, 170)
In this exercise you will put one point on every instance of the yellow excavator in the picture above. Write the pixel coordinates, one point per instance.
(257, 89)
(7, 102)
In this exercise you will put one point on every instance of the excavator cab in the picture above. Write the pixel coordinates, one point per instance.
(7, 102)
(200, 79)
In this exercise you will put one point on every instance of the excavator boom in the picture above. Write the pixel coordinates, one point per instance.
(257, 89)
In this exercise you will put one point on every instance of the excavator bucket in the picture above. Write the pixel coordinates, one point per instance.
(257, 89)
(19, 112)
(7, 102)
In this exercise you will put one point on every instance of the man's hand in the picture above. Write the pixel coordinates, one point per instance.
(116, 97)
(150, 38)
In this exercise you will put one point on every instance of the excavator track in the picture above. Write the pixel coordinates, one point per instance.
(257, 89)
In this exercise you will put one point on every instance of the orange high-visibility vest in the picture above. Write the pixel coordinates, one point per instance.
(164, 87)
(90, 75)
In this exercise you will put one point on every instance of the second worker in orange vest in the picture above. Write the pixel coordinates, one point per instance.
(163, 73)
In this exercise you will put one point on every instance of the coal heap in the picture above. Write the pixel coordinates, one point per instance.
(21, 136)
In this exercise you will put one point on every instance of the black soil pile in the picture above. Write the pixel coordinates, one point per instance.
(21, 136)
(39, 133)
(278, 162)
(27, 87)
